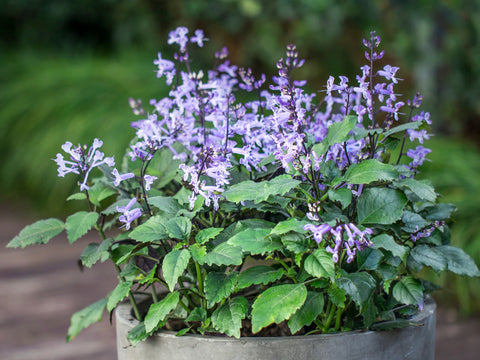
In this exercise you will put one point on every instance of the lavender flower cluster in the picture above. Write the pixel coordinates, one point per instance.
(210, 131)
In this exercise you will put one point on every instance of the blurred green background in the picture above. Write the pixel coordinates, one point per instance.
(69, 67)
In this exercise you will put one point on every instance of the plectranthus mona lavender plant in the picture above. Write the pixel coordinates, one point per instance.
(227, 204)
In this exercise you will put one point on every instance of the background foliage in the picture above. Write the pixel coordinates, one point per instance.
(68, 69)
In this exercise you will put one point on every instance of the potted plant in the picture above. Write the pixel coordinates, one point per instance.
(259, 213)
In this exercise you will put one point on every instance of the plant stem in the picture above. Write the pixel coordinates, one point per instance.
(200, 285)
(130, 295)
(154, 293)
(338, 318)
(329, 320)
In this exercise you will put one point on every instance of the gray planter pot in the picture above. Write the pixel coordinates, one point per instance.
(413, 343)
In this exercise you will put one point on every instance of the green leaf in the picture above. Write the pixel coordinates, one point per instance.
(218, 286)
(255, 241)
(39, 232)
(439, 212)
(79, 224)
(137, 334)
(198, 253)
(277, 304)
(261, 274)
(429, 256)
(369, 171)
(387, 242)
(320, 264)
(411, 125)
(96, 252)
(86, 317)
(458, 261)
(197, 314)
(413, 221)
(227, 318)
(296, 243)
(421, 188)
(337, 133)
(359, 286)
(77, 196)
(342, 195)
(337, 295)
(118, 294)
(304, 316)
(369, 259)
(207, 234)
(158, 311)
(260, 191)
(99, 192)
(166, 204)
(292, 224)
(408, 291)
(179, 228)
(224, 254)
(174, 264)
(153, 229)
(380, 206)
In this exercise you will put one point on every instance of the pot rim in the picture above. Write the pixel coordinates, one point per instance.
(123, 315)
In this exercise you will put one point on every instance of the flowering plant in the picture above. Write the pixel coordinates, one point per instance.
(256, 205)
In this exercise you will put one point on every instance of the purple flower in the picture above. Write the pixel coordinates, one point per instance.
(318, 231)
(420, 135)
(163, 65)
(119, 178)
(388, 73)
(82, 161)
(198, 38)
(179, 36)
(418, 155)
(149, 179)
(128, 214)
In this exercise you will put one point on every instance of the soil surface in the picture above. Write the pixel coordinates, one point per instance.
(42, 286)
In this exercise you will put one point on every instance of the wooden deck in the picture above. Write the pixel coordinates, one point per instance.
(41, 287)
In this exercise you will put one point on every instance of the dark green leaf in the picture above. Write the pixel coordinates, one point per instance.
(320, 264)
(411, 125)
(292, 224)
(96, 252)
(337, 133)
(342, 195)
(39, 232)
(304, 316)
(422, 188)
(261, 274)
(174, 264)
(158, 311)
(166, 204)
(439, 212)
(429, 256)
(458, 261)
(369, 259)
(260, 191)
(369, 171)
(86, 317)
(227, 318)
(218, 286)
(255, 241)
(118, 294)
(380, 206)
(359, 286)
(224, 254)
(408, 291)
(277, 304)
(153, 229)
(179, 228)
(79, 224)
(207, 234)
(387, 242)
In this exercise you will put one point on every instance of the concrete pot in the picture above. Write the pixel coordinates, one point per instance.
(412, 343)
